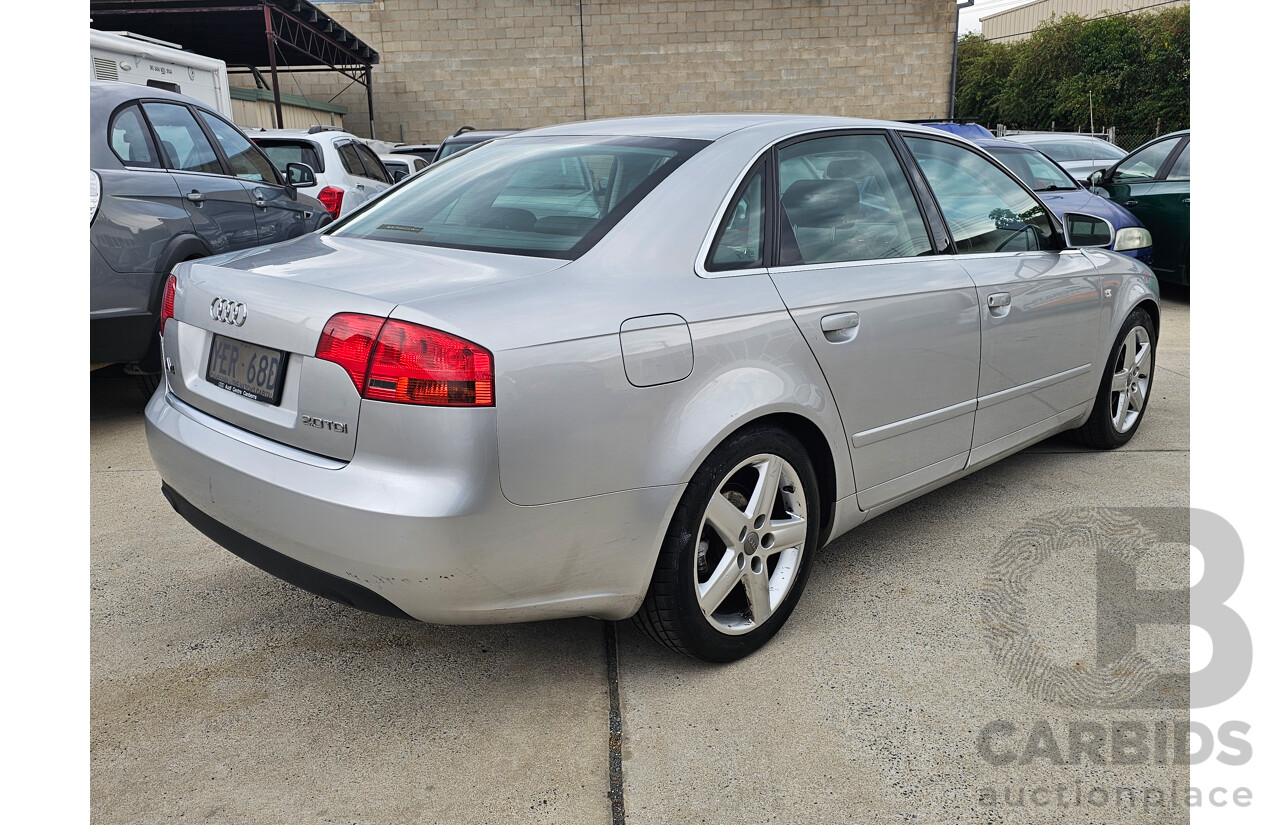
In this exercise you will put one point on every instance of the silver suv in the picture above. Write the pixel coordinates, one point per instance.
(170, 181)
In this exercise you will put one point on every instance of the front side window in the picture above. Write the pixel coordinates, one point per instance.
(739, 242)
(245, 159)
(130, 140)
(543, 196)
(182, 139)
(846, 198)
(984, 207)
(1144, 165)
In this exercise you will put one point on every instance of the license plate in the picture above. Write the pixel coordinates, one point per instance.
(246, 369)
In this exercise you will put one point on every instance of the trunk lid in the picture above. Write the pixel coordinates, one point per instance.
(278, 299)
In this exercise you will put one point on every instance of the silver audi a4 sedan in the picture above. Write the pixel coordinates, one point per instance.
(640, 367)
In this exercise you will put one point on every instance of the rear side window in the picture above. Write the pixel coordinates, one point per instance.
(246, 161)
(182, 139)
(551, 197)
(985, 209)
(739, 243)
(846, 199)
(373, 166)
(130, 139)
(351, 160)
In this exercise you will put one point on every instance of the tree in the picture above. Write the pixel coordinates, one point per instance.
(1134, 69)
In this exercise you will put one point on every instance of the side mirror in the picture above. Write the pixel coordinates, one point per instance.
(1095, 179)
(300, 175)
(1087, 231)
(399, 175)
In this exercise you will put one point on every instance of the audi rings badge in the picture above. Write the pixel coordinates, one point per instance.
(228, 312)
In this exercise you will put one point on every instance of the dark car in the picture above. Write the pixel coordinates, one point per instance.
(1061, 193)
(169, 181)
(466, 137)
(1154, 183)
(426, 151)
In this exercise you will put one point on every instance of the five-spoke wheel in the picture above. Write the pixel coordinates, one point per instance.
(1126, 385)
(737, 554)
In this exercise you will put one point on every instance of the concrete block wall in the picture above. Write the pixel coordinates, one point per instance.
(524, 63)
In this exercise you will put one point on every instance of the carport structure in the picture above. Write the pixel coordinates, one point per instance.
(249, 33)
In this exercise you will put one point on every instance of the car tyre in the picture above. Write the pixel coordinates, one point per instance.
(738, 550)
(1125, 390)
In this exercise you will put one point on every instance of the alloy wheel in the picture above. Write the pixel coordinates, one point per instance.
(750, 543)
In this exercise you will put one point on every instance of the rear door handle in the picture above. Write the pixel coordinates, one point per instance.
(1187, 201)
(1130, 203)
(195, 196)
(998, 299)
(260, 203)
(840, 327)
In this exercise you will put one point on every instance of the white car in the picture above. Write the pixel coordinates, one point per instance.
(402, 166)
(348, 173)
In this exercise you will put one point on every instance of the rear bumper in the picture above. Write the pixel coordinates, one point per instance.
(408, 540)
(281, 566)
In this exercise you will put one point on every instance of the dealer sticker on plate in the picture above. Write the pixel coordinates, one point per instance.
(246, 369)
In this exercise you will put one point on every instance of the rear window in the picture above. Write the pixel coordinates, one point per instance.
(1063, 150)
(284, 152)
(550, 197)
(453, 147)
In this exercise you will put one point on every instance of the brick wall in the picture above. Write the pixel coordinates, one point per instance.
(519, 63)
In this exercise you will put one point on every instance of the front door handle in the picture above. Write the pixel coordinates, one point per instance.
(195, 196)
(1187, 201)
(1130, 203)
(260, 203)
(840, 327)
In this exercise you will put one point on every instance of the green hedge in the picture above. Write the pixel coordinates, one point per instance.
(1137, 66)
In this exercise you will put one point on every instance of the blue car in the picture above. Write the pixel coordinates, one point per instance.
(1061, 193)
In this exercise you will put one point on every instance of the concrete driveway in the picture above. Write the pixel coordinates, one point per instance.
(221, 694)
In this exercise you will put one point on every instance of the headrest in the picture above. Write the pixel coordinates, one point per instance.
(820, 202)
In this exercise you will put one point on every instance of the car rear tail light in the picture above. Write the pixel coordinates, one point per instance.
(95, 194)
(408, 364)
(166, 303)
(331, 197)
(348, 341)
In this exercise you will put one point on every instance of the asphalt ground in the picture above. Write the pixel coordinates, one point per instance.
(221, 694)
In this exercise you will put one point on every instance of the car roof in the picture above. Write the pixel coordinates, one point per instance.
(476, 135)
(1042, 136)
(299, 134)
(715, 126)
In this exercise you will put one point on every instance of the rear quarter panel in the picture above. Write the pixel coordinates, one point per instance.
(570, 424)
